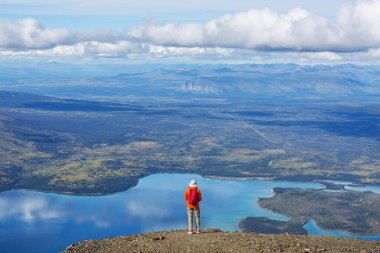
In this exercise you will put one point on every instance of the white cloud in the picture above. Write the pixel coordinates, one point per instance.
(375, 53)
(259, 30)
(269, 30)
(105, 49)
(30, 34)
(324, 56)
(162, 51)
(360, 23)
(66, 50)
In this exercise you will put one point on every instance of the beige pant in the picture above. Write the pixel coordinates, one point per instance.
(196, 213)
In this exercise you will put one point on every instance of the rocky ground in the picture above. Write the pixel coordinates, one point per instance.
(211, 240)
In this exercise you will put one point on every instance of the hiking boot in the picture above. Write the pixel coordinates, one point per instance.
(190, 232)
(198, 232)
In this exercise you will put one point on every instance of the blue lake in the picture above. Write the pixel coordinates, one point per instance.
(44, 222)
(313, 229)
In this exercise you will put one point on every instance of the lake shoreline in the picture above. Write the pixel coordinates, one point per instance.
(338, 184)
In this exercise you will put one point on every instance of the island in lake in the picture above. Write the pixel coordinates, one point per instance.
(349, 211)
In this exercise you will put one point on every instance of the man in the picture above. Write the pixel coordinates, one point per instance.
(193, 196)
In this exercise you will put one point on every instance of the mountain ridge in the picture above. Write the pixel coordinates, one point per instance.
(214, 240)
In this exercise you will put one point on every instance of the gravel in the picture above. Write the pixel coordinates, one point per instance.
(214, 240)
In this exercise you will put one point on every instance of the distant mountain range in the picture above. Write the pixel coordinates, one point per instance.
(205, 80)
(287, 79)
(270, 79)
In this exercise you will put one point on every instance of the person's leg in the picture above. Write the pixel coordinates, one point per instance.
(198, 219)
(190, 212)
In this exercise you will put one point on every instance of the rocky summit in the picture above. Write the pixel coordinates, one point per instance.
(214, 240)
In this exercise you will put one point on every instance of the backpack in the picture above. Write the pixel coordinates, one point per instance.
(193, 196)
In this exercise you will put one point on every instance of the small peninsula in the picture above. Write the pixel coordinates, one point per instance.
(350, 211)
(268, 226)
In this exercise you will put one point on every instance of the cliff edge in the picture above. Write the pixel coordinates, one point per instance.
(213, 240)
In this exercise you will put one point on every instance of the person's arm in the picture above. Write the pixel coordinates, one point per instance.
(186, 195)
(200, 195)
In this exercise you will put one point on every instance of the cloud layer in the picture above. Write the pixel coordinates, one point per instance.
(357, 28)
(355, 31)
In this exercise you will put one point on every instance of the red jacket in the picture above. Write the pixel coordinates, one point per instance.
(187, 198)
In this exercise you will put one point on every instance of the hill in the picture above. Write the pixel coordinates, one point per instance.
(217, 241)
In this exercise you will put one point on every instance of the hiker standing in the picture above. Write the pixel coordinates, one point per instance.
(193, 196)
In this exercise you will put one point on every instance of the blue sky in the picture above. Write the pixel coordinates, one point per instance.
(117, 14)
(319, 31)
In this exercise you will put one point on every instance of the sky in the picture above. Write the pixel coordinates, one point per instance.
(260, 31)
